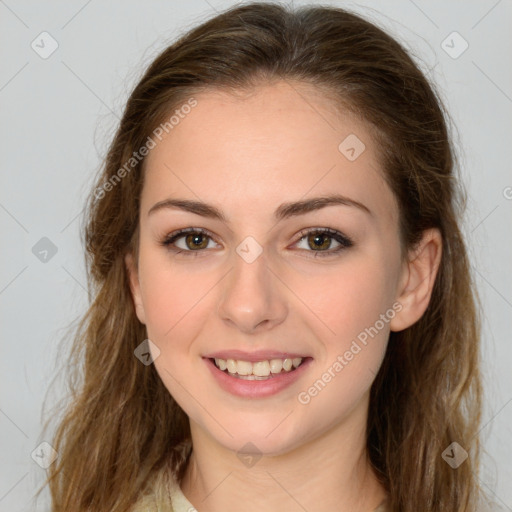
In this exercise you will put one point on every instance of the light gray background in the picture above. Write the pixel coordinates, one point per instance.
(59, 113)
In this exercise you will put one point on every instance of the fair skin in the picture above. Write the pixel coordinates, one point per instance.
(246, 156)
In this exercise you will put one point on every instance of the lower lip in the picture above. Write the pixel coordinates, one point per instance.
(256, 388)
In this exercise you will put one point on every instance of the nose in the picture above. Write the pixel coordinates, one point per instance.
(252, 297)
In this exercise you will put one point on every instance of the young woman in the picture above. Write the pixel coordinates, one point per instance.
(284, 317)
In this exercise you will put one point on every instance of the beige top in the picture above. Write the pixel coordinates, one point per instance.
(181, 504)
(178, 499)
(165, 495)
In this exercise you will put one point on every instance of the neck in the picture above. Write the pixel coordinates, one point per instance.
(330, 472)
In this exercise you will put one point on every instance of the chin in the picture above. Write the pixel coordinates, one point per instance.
(269, 438)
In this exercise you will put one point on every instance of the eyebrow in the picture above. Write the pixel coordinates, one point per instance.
(284, 211)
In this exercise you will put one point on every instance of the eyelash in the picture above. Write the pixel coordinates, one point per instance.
(343, 240)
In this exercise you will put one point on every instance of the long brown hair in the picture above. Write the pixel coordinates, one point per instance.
(121, 426)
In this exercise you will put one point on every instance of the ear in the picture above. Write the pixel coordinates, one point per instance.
(133, 275)
(417, 280)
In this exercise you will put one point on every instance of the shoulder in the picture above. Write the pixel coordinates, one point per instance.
(156, 496)
(383, 507)
(491, 507)
(484, 506)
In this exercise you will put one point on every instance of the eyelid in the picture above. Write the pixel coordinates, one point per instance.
(342, 239)
(179, 233)
(184, 231)
(333, 233)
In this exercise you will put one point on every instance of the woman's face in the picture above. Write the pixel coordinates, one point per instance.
(260, 282)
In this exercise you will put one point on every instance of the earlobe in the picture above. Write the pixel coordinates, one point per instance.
(418, 278)
(133, 276)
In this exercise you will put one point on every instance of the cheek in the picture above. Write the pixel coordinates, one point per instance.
(350, 298)
(353, 310)
(177, 305)
(356, 310)
(172, 295)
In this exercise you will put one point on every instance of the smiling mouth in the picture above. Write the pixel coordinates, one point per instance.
(259, 370)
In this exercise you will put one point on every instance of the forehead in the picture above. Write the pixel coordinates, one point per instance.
(274, 142)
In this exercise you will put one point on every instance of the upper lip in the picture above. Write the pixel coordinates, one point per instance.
(258, 355)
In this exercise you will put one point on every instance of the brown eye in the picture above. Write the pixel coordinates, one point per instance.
(195, 240)
(319, 241)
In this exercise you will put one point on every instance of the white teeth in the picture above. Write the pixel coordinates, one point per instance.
(221, 363)
(276, 365)
(243, 368)
(259, 369)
